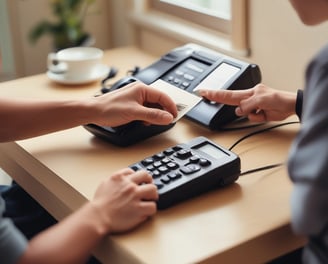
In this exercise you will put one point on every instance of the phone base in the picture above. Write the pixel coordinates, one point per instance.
(127, 134)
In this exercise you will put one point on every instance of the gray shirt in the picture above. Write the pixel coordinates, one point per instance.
(12, 242)
(308, 163)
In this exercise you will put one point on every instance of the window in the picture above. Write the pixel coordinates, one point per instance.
(213, 14)
(217, 8)
(217, 24)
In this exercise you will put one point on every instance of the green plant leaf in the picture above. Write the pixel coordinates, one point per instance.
(67, 29)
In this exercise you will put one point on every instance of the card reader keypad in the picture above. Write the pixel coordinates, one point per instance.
(172, 164)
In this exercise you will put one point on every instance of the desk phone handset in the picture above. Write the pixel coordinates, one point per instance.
(189, 169)
(188, 67)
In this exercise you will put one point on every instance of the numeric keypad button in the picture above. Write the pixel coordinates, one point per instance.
(190, 168)
(204, 162)
(183, 153)
(147, 161)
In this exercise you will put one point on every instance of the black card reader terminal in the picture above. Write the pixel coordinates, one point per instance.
(189, 169)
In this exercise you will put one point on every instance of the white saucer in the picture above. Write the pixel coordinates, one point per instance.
(100, 72)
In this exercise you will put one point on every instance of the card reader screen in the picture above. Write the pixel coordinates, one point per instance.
(211, 150)
(219, 77)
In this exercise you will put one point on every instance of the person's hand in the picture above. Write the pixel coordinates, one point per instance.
(126, 199)
(135, 101)
(260, 103)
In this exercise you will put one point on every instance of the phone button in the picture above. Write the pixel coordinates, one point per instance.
(191, 168)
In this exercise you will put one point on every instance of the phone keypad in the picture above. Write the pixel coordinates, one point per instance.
(172, 164)
(185, 74)
(189, 169)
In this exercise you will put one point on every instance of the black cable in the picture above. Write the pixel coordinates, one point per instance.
(134, 71)
(240, 127)
(107, 88)
(261, 131)
(267, 167)
(261, 168)
(112, 73)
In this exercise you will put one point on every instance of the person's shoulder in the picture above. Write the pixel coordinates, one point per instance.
(322, 56)
(318, 66)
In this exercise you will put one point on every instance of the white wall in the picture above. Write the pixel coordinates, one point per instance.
(7, 68)
(281, 44)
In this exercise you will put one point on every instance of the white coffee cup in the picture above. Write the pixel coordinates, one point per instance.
(75, 62)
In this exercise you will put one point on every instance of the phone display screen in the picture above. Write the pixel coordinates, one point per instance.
(211, 150)
(219, 77)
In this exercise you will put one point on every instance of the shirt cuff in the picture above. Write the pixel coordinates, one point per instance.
(299, 104)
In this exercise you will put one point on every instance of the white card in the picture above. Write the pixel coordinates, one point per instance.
(184, 100)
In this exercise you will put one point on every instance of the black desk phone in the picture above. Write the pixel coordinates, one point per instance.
(187, 68)
(189, 169)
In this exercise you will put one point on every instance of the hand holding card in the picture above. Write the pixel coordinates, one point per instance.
(184, 100)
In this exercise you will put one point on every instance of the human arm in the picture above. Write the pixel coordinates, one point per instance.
(260, 103)
(308, 156)
(307, 164)
(121, 202)
(29, 118)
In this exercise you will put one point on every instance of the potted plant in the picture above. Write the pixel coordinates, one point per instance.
(67, 29)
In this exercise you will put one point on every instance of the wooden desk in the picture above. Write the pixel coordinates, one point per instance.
(247, 222)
